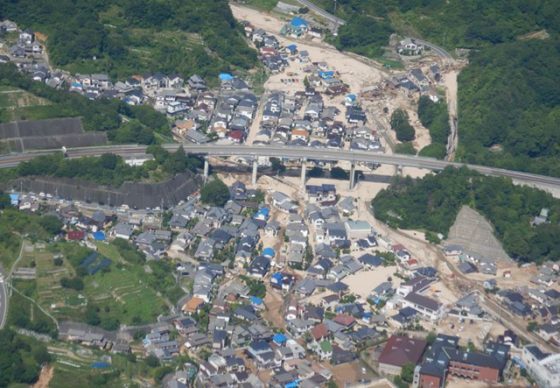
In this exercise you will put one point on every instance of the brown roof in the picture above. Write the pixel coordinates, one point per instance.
(185, 124)
(400, 350)
(193, 304)
(300, 132)
(319, 331)
(344, 319)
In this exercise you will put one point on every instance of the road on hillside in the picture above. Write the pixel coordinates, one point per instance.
(320, 11)
(3, 299)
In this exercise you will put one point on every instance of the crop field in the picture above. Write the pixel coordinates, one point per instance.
(118, 291)
(16, 104)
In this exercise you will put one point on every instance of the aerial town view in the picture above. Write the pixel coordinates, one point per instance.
(293, 193)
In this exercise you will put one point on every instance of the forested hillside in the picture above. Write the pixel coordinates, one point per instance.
(509, 98)
(509, 107)
(432, 204)
(125, 37)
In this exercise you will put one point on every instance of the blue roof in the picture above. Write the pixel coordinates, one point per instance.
(279, 338)
(99, 236)
(326, 74)
(269, 252)
(14, 199)
(100, 365)
(299, 22)
(278, 276)
(256, 300)
(226, 77)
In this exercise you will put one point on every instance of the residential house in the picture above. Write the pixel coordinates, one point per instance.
(399, 351)
(426, 306)
(544, 368)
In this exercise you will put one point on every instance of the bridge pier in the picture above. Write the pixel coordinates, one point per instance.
(206, 169)
(303, 173)
(255, 170)
(352, 175)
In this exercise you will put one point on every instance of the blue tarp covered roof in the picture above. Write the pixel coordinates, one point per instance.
(292, 47)
(279, 338)
(326, 74)
(226, 77)
(269, 252)
(99, 236)
(299, 22)
(100, 365)
(256, 300)
(14, 199)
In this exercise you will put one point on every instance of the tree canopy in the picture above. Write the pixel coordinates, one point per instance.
(400, 124)
(108, 169)
(433, 202)
(510, 107)
(127, 37)
(364, 35)
(20, 358)
(215, 193)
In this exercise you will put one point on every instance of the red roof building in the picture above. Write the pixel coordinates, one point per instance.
(398, 351)
(75, 235)
(345, 320)
(236, 136)
(319, 332)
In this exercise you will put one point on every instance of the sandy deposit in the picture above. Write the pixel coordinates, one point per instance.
(363, 282)
(352, 71)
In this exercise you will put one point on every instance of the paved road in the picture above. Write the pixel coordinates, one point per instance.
(320, 11)
(435, 48)
(293, 153)
(3, 300)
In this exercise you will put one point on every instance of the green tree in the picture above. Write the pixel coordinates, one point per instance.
(407, 372)
(405, 148)
(152, 361)
(4, 200)
(399, 123)
(434, 150)
(51, 224)
(215, 193)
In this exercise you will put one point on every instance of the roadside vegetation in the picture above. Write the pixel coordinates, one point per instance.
(433, 202)
(108, 169)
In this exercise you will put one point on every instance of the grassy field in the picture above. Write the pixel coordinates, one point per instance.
(17, 104)
(73, 368)
(24, 313)
(9, 251)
